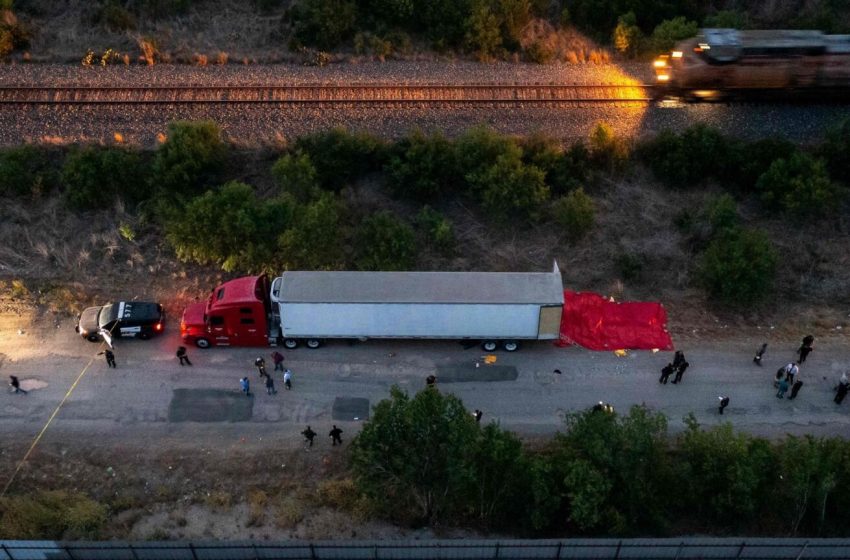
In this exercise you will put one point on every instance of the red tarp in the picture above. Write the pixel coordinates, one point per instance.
(592, 321)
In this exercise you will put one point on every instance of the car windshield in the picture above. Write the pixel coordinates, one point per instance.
(108, 314)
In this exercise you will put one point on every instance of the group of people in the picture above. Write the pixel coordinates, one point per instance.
(788, 376)
(678, 366)
(309, 435)
(260, 364)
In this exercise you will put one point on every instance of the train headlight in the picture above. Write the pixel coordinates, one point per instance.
(660, 63)
(676, 54)
(663, 77)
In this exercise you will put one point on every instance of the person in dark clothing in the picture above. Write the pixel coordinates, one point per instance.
(666, 372)
(780, 373)
(16, 385)
(795, 388)
(477, 415)
(724, 402)
(431, 380)
(261, 366)
(245, 383)
(783, 387)
(680, 371)
(678, 359)
(335, 434)
(805, 348)
(181, 353)
(841, 391)
(270, 385)
(110, 357)
(760, 354)
(309, 434)
(277, 358)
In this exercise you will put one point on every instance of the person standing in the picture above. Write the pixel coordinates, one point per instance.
(335, 435)
(110, 357)
(477, 415)
(431, 380)
(245, 383)
(270, 385)
(277, 358)
(287, 379)
(806, 347)
(16, 385)
(760, 354)
(795, 388)
(843, 386)
(680, 371)
(261, 366)
(308, 434)
(678, 359)
(666, 372)
(724, 402)
(780, 373)
(791, 370)
(181, 354)
(783, 387)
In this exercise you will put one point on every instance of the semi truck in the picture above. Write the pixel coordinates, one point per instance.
(497, 309)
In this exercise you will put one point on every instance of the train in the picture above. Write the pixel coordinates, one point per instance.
(721, 63)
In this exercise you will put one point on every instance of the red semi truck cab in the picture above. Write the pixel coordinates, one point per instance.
(236, 314)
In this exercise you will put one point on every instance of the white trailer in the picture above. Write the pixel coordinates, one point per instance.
(493, 307)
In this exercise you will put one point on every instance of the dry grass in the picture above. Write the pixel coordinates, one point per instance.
(565, 45)
(258, 500)
(289, 511)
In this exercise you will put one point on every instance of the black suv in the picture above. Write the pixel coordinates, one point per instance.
(122, 319)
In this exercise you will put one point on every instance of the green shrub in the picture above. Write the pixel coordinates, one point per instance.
(628, 38)
(116, 17)
(190, 160)
(295, 174)
(701, 152)
(670, 31)
(756, 157)
(608, 151)
(799, 185)
(484, 33)
(437, 229)
(542, 151)
(444, 22)
(629, 266)
(316, 240)
(387, 12)
(324, 24)
(835, 150)
(423, 167)
(94, 177)
(383, 242)
(540, 53)
(230, 228)
(340, 156)
(739, 266)
(514, 16)
(51, 515)
(722, 213)
(732, 19)
(572, 170)
(510, 190)
(25, 171)
(478, 148)
(575, 213)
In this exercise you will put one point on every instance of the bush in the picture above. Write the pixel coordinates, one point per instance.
(315, 241)
(296, 175)
(571, 170)
(756, 157)
(699, 153)
(340, 156)
(229, 228)
(25, 171)
(94, 177)
(484, 34)
(383, 242)
(478, 149)
(116, 17)
(629, 266)
(510, 190)
(13, 34)
(437, 229)
(190, 159)
(799, 185)
(575, 213)
(670, 31)
(607, 151)
(51, 515)
(722, 214)
(739, 266)
(324, 24)
(423, 167)
(835, 149)
(628, 39)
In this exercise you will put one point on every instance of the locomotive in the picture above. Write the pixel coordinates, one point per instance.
(727, 62)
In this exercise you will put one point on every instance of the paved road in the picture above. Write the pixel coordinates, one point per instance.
(149, 398)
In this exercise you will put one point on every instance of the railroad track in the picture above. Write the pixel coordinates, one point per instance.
(367, 94)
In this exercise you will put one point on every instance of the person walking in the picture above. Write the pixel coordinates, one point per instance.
(270, 385)
(680, 371)
(678, 359)
(783, 387)
(261, 366)
(287, 379)
(841, 390)
(760, 354)
(666, 372)
(15, 384)
(110, 357)
(724, 402)
(335, 435)
(277, 358)
(181, 354)
(780, 373)
(795, 388)
(805, 348)
(245, 383)
(477, 415)
(791, 370)
(308, 434)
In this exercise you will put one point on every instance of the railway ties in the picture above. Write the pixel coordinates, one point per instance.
(369, 94)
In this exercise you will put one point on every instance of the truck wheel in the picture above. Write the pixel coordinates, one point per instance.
(489, 345)
(202, 343)
(313, 343)
(290, 343)
(93, 338)
(510, 346)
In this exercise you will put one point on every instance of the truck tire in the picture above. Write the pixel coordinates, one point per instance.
(290, 343)
(489, 345)
(313, 343)
(93, 338)
(510, 346)
(202, 343)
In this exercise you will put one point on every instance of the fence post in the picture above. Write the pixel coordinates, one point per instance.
(619, 546)
(6, 551)
(496, 556)
(558, 554)
(802, 550)
(132, 551)
(67, 550)
(192, 550)
(312, 551)
(740, 550)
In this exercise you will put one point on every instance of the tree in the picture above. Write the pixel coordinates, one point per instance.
(316, 239)
(686, 160)
(510, 190)
(483, 34)
(575, 212)
(423, 167)
(95, 177)
(810, 468)
(383, 242)
(340, 157)
(757, 157)
(25, 171)
(501, 476)
(607, 151)
(437, 229)
(190, 159)
(296, 175)
(324, 24)
(413, 455)
(479, 147)
(799, 185)
(628, 38)
(229, 227)
(739, 266)
(670, 31)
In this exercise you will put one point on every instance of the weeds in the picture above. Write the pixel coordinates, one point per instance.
(219, 500)
(258, 500)
(289, 511)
